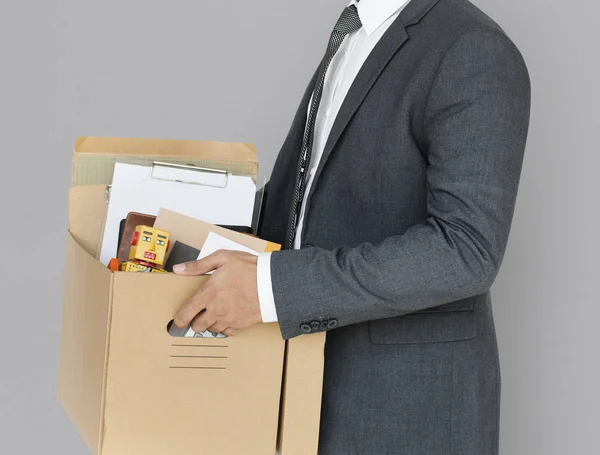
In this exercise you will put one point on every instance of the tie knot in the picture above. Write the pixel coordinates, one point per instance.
(349, 21)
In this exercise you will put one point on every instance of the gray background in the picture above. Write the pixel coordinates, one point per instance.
(235, 70)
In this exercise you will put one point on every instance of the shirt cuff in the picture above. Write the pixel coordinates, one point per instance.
(265, 288)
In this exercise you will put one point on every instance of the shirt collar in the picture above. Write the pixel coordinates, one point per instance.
(373, 13)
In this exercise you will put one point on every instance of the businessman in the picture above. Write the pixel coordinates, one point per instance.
(393, 196)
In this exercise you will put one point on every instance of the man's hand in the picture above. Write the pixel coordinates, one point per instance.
(228, 301)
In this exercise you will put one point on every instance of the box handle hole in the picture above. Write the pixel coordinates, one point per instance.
(187, 332)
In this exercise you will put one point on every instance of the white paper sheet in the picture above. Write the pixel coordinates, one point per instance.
(215, 242)
(134, 190)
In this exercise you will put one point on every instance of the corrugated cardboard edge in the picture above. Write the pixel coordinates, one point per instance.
(94, 157)
(102, 427)
(156, 147)
(302, 390)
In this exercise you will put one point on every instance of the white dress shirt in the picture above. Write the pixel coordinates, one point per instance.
(376, 16)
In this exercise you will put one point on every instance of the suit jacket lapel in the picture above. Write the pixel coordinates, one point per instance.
(391, 42)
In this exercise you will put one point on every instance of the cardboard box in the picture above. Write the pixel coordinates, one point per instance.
(128, 386)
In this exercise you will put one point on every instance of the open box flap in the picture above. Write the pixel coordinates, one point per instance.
(94, 157)
(87, 212)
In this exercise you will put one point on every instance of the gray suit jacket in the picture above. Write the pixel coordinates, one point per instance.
(406, 226)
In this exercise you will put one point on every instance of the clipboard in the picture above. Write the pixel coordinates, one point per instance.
(212, 195)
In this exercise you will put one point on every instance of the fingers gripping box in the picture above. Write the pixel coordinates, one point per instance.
(131, 388)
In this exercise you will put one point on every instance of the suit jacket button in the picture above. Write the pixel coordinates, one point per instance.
(307, 245)
(324, 325)
(332, 324)
(315, 325)
(305, 328)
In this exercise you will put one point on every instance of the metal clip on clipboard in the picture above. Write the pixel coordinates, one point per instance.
(172, 172)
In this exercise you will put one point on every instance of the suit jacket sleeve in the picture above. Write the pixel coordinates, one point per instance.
(474, 126)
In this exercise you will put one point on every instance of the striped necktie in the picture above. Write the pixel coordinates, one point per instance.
(347, 23)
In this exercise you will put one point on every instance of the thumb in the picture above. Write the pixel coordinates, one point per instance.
(202, 266)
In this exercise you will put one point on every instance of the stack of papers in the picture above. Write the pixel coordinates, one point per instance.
(223, 199)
